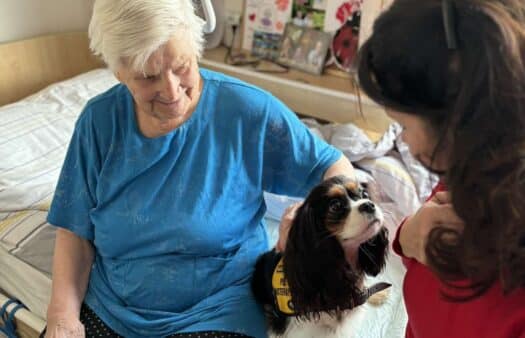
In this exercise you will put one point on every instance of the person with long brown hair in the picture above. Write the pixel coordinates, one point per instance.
(452, 73)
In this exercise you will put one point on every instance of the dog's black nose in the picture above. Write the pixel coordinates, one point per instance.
(367, 207)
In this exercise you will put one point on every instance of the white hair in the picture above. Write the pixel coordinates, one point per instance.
(133, 30)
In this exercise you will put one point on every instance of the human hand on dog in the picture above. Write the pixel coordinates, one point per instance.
(436, 212)
(285, 225)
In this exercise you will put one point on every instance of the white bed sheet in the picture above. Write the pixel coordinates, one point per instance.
(34, 134)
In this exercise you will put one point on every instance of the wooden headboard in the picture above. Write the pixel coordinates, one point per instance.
(27, 66)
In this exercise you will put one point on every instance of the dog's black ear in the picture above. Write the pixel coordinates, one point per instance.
(304, 238)
(319, 278)
(301, 258)
(372, 254)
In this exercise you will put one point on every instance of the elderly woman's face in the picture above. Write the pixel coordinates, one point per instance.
(168, 92)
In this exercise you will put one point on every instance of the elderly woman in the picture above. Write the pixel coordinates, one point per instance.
(160, 201)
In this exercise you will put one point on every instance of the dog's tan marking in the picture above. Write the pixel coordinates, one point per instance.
(352, 186)
(336, 191)
(379, 298)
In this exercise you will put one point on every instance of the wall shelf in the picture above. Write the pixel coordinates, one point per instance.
(327, 97)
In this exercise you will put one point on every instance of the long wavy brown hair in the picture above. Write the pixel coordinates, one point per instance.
(473, 96)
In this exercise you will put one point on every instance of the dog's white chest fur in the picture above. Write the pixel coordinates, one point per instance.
(325, 327)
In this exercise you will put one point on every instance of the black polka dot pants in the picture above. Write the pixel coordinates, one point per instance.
(95, 328)
(93, 325)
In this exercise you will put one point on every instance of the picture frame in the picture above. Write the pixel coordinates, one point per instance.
(309, 13)
(304, 48)
(266, 45)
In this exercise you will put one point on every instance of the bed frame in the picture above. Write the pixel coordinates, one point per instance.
(28, 325)
(28, 66)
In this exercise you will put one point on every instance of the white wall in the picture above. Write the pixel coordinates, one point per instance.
(21, 19)
(235, 5)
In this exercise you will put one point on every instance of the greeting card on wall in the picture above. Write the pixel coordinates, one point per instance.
(267, 16)
(338, 11)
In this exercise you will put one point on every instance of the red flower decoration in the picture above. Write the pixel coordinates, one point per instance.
(344, 46)
(282, 5)
(347, 9)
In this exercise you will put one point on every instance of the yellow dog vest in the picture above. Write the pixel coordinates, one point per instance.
(283, 296)
(281, 290)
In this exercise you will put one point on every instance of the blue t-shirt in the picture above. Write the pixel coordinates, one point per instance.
(176, 221)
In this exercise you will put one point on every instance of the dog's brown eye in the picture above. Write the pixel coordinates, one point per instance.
(336, 205)
(364, 194)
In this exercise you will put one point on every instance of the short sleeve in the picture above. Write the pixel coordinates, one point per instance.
(396, 246)
(75, 194)
(294, 158)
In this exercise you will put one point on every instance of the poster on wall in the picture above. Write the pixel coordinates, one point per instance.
(338, 11)
(264, 16)
(350, 22)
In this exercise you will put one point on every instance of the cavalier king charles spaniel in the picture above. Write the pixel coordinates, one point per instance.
(316, 285)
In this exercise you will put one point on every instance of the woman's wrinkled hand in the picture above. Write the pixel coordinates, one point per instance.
(64, 327)
(436, 212)
(285, 225)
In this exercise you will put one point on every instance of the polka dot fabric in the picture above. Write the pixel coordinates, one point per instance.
(95, 328)
(207, 334)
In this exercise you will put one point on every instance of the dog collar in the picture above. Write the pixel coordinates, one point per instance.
(281, 290)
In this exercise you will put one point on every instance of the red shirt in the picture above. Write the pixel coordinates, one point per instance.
(492, 315)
